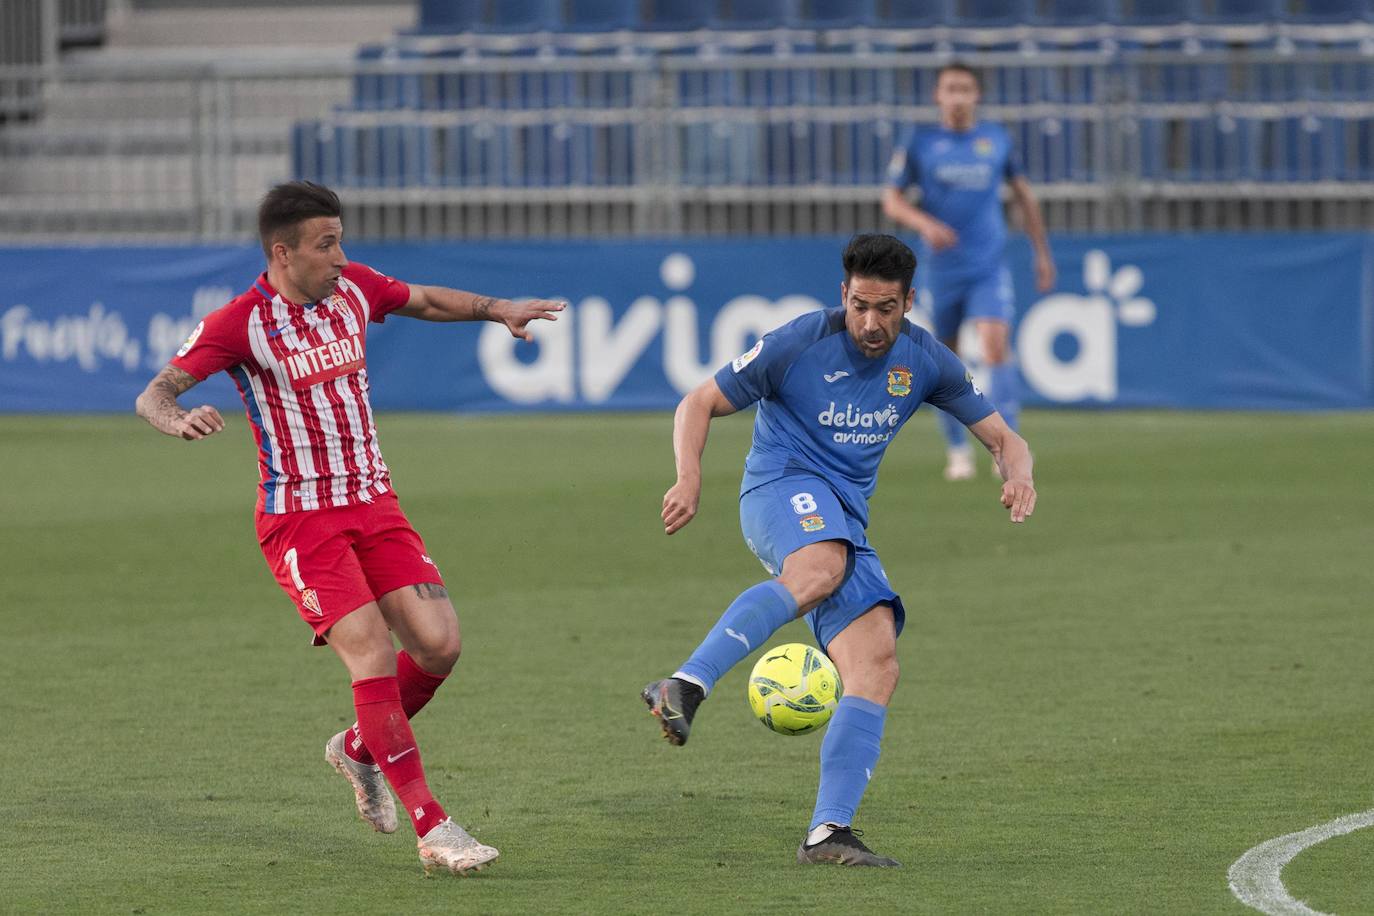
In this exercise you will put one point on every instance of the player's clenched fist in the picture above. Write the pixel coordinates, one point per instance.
(198, 423)
(680, 505)
(1019, 497)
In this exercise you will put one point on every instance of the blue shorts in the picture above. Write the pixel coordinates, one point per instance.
(955, 299)
(784, 515)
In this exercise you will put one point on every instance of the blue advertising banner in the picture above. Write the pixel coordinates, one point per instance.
(1208, 321)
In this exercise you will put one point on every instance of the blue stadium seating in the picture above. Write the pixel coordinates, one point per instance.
(782, 126)
(384, 91)
(826, 151)
(1159, 12)
(1240, 11)
(450, 15)
(912, 14)
(673, 15)
(1331, 11)
(507, 16)
(600, 15)
(751, 14)
(1076, 13)
(982, 14)
(832, 14)
(524, 16)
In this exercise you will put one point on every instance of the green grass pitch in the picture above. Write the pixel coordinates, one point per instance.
(1099, 710)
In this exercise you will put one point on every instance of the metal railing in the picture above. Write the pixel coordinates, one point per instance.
(607, 146)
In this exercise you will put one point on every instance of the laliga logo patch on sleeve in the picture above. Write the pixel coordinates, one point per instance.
(747, 358)
(191, 341)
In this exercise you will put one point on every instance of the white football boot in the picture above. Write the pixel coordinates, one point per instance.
(451, 847)
(369, 786)
(959, 464)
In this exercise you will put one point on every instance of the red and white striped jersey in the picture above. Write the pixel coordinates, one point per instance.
(301, 370)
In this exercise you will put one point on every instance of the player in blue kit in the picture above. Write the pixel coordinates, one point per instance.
(959, 168)
(833, 388)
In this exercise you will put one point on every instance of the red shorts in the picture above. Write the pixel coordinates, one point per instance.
(333, 561)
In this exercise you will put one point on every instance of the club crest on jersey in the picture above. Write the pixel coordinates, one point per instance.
(982, 147)
(311, 601)
(899, 381)
(313, 365)
(191, 341)
(747, 358)
(812, 523)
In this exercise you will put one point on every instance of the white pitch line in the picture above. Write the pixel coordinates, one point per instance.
(1255, 876)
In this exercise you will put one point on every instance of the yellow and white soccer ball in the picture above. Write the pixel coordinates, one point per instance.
(794, 689)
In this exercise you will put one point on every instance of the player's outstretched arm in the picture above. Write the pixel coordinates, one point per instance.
(691, 423)
(439, 303)
(158, 405)
(1013, 458)
(1034, 222)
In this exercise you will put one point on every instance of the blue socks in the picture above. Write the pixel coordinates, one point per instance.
(1005, 394)
(753, 617)
(956, 436)
(848, 755)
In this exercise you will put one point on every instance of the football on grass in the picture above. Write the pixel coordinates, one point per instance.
(794, 688)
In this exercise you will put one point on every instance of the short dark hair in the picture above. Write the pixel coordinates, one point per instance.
(959, 67)
(880, 257)
(288, 205)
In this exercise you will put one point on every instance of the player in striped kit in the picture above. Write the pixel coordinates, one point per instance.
(328, 521)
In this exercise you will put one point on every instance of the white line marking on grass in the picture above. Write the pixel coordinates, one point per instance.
(1255, 876)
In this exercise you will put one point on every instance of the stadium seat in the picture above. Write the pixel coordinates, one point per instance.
(1240, 11)
(511, 16)
(600, 15)
(674, 15)
(847, 86)
(832, 14)
(743, 15)
(912, 14)
(1061, 149)
(1158, 12)
(450, 15)
(722, 152)
(1331, 11)
(984, 14)
(1346, 79)
(1076, 13)
(380, 91)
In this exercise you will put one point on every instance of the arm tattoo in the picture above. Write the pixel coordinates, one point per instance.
(176, 380)
(158, 402)
(430, 590)
(481, 307)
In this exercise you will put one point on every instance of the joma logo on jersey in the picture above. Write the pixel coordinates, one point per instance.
(325, 362)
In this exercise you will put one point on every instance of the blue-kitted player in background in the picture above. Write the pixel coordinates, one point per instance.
(959, 168)
(833, 388)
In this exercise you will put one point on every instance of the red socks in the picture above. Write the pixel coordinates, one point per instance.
(417, 688)
(386, 730)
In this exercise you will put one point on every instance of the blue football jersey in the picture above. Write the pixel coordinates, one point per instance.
(827, 409)
(960, 175)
